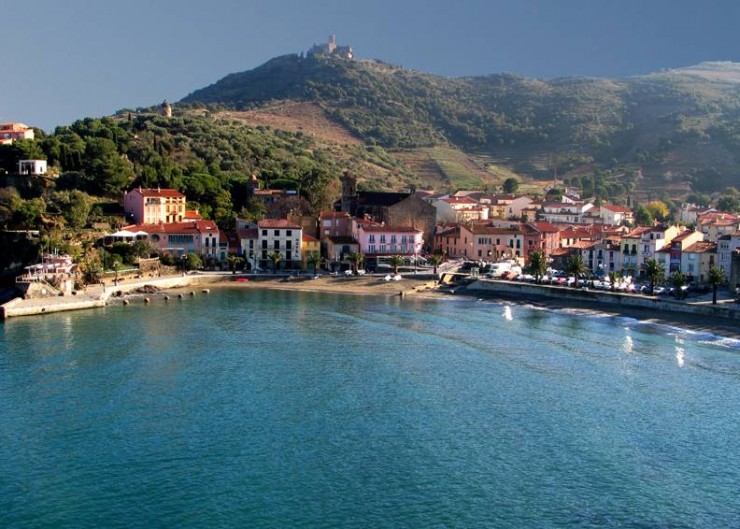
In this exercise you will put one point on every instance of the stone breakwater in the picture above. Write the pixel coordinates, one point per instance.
(726, 313)
(97, 296)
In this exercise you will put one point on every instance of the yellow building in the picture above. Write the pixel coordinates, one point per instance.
(309, 246)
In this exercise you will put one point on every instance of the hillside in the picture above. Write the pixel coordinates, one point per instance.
(679, 130)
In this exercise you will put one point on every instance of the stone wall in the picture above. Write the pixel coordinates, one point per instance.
(524, 291)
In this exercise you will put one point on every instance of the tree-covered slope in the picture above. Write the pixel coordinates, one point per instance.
(676, 125)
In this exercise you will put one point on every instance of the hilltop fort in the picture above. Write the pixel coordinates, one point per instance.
(331, 48)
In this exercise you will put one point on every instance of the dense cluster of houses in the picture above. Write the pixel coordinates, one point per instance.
(468, 225)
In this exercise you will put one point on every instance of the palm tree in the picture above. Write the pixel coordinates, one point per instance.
(576, 266)
(436, 260)
(678, 279)
(275, 257)
(396, 261)
(715, 278)
(356, 260)
(234, 261)
(613, 278)
(538, 265)
(116, 265)
(654, 271)
(313, 258)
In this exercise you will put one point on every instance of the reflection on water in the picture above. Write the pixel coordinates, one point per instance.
(284, 409)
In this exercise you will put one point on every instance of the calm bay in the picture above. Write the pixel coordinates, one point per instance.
(264, 408)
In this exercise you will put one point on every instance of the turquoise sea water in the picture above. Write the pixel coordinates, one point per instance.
(249, 408)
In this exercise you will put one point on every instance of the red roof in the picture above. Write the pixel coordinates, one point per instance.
(160, 193)
(459, 200)
(198, 226)
(701, 247)
(389, 229)
(616, 209)
(309, 238)
(683, 236)
(333, 214)
(545, 227)
(278, 223)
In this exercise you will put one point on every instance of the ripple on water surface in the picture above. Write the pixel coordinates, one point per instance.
(285, 409)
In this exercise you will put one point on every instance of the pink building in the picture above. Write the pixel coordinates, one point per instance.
(178, 238)
(10, 132)
(377, 240)
(154, 206)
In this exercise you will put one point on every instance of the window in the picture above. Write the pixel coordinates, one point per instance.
(371, 239)
(382, 239)
(264, 244)
(393, 239)
(372, 249)
(288, 233)
(288, 256)
(288, 245)
(277, 233)
(276, 245)
(264, 233)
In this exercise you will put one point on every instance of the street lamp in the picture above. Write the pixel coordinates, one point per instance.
(183, 258)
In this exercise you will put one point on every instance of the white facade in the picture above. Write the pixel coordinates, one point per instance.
(566, 213)
(282, 236)
(32, 167)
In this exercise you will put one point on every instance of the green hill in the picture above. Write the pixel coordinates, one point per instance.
(675, 129)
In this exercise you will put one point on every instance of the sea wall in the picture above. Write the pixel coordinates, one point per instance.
(19, 307)
(94, 298)
(614, 300)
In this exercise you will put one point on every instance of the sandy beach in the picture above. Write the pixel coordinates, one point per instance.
(367, 285)
(163, 288)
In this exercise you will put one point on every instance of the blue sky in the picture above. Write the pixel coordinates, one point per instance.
(67, 59)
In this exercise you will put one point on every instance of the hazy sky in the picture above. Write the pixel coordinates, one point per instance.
(62, 60)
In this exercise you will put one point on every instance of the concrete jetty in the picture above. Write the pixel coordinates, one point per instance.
(97, 296)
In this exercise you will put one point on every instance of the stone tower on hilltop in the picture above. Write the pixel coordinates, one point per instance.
(331, 49)
(166, 109)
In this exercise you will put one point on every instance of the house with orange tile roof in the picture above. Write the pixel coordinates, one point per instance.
(540, 236)
(309, 246)
(677, 246)
(565, 212)
(697, 258)
(179, 238)
(10, 132)
(492, 243)
(447, 240)
(377, 240)
(715, 224)
(153, 206)
(280, 235)
(614, 215)
(334, 224)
